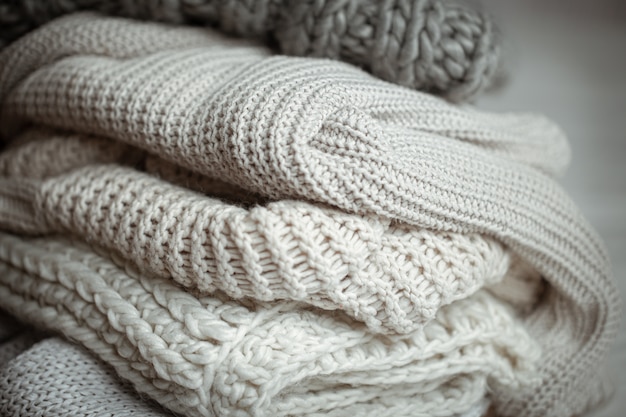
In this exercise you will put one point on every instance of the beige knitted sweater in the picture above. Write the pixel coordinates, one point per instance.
(391, 276)
(212, 356)
(52, 377)
(325, 133)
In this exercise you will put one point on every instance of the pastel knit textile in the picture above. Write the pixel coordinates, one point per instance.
(391, 276)
(328, 134)
(441, 46)
(212, 356)
(54, 378)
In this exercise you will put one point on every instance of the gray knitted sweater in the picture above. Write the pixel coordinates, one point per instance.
(440, 46)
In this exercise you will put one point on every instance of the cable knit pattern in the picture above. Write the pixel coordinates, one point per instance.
(44, 380)
(441, 46)
(211, 356)
(391, 276)
(327, 133)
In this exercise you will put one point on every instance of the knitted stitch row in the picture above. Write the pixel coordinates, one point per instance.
(393, 277)
(211, 356)
(322, 131)
(444, 47)
(40, 153)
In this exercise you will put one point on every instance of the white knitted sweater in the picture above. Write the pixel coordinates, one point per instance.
(391, 276)
(55, 378)
(211, 356)
(324, 132)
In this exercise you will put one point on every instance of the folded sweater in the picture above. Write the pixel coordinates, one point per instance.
(441, 46)
(55, 378)
(393, 277)
(325, 132)
(211, 356)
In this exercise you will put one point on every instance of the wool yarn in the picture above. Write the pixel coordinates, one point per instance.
(211, 356)
(40, 153)
(392, 277)
(440, 46)
(327, 133)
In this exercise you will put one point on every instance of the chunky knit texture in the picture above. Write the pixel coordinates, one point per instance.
(392, 277)
(440, 46)
(50, 377)
(327, 133)
(211, 356)
(43, 375)
(55, 378)
(41, 153)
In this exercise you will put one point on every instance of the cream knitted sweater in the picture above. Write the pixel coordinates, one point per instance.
(391, 276)
(55, 378)
(211, 356)
(324, 132)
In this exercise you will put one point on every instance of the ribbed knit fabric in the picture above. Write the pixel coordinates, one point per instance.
(421, 270)
(441, 46)
(327, 133)
(41, 153)
(211, 356)
(392, 277)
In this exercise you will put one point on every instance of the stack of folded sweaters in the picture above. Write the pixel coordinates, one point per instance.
(195, 223)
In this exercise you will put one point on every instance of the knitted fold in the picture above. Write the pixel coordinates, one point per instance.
(444, 47)
(44, 377)
(392, 277)
(327, 133)
(211, 356)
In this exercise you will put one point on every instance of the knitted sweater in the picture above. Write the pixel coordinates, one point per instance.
(393, 277)
(44, 378)
(441, 46)
(327, 133)
(211, 356)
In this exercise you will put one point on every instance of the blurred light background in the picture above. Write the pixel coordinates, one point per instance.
(567, 60)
